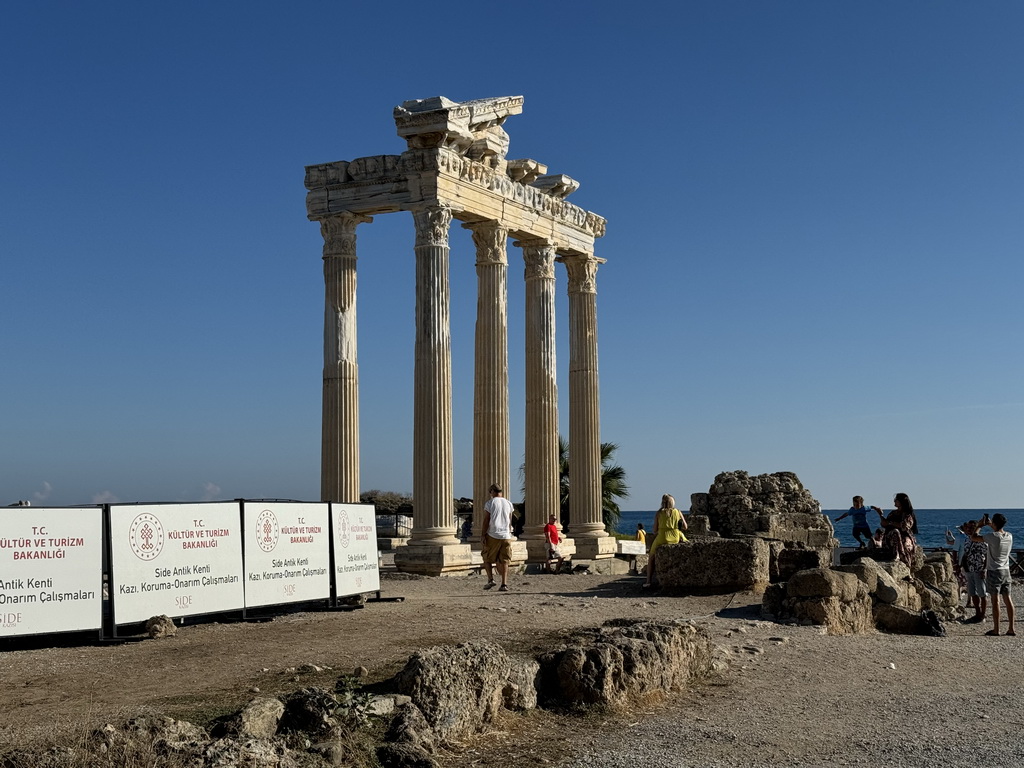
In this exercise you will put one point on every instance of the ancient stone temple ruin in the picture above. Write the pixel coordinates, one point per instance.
(456, 167)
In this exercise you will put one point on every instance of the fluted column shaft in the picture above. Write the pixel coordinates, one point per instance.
(491, 463)
(433, 498)
(584, 403)
(541, 387)
(339, 446)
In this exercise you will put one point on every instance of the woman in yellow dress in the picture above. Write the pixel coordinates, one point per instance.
(669, 525)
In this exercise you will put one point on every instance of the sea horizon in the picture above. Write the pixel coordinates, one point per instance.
(932, 523)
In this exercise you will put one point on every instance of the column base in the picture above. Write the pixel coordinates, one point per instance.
(538, 550)
(596, 549)
(436, 559)
(449, 559)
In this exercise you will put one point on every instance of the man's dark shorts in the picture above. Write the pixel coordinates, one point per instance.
(998, 582)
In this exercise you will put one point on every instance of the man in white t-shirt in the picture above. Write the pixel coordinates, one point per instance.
(497, 538)
(997, 576)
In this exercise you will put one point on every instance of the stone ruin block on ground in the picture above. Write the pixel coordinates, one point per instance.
(773, 509)
(865, 594)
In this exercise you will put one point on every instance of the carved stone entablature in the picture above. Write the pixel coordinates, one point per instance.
(582, 272)
(326, 174)
(539, 256)
(476, 173)
(525, 171)
(375, 168)
(441, 122)
(558, 185)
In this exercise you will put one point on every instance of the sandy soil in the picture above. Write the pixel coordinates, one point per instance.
(790, 696)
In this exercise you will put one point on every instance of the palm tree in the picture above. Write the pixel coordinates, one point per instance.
(613, 484)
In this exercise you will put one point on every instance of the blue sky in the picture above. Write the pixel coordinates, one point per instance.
(814, 239)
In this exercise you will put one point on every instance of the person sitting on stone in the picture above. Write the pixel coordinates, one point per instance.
(553, 537)
(900, 529)
(641, 534)
(669, 525)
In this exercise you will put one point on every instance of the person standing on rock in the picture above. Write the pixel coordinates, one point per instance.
(497, 537)
(997, 575)
(669, 525)
(859, 513)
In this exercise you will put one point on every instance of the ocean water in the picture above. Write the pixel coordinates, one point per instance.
(931, 523)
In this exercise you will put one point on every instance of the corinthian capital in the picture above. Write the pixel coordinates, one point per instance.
(491, 240)
(539, 256)
(339, 233)
(432, 225)
(582, 272)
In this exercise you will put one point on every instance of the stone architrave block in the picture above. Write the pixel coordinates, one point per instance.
(713, 565)
(461, 688)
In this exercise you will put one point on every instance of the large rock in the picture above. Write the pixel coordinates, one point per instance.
(461, 688)
(259, 719)
(836, 600)
(714, 565)
(775, 506)
(622, 660)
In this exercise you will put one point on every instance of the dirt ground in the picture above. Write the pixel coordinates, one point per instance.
(789, 693)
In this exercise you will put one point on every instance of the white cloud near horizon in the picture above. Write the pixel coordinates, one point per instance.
(44, 494)
(105, 497)
(211, 492)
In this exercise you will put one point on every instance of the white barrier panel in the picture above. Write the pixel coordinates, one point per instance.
(287, 553)
(355, 549)
(51, 570)
(175, 559)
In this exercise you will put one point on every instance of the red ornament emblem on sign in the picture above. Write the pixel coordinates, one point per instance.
(267, 530)
(343, 529)
(146, 537)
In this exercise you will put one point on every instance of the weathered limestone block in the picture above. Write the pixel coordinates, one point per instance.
(837, 616)
(622, 660)
(837, 600)
(796, 557)
(714, 565)
(775, 506)
(825, 582)
(699, 525)
(461, 688)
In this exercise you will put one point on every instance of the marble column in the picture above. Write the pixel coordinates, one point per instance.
(490, 393)
(585, 518)
(433, 497)
(541, 392)
(339, 448)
